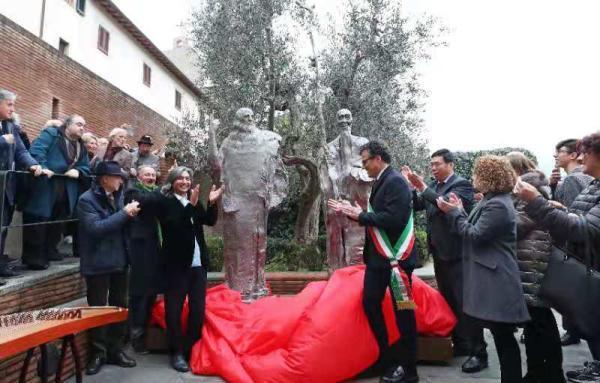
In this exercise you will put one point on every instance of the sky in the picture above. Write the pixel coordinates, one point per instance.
(515, 73)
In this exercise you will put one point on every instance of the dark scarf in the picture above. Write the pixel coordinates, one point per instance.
(149, 189)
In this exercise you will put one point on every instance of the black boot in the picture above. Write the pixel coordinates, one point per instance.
(178, 363)
(121, 359)
(95, 364)
(475, 364)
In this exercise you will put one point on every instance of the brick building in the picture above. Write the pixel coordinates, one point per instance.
(89, 58)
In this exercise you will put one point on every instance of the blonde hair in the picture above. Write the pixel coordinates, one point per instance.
(87, 137)
(493, 174)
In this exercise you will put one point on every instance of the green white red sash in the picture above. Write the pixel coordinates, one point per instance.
(400, 251)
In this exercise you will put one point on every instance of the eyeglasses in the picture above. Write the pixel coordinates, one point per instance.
(364, 162)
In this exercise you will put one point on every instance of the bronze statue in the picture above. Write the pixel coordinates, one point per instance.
(345, 178)
(254, 181)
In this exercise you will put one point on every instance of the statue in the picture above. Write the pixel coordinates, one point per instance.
(345, 178)
(254, 181)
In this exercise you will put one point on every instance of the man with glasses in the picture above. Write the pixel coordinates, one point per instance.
(387, 220)
(565, 192)
(445, 247)
(60, 151)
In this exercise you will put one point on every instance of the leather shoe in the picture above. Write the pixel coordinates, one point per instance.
(568, 339)
(34, 266)
(95, 363)
(474, 364)
(8, 272)
(398, 375)
(138, 345)
(178, 363)
(121, 359)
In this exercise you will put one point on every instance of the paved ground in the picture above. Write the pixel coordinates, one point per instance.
(155, 369)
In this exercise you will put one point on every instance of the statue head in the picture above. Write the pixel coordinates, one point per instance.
(244, 119)
(344, 119)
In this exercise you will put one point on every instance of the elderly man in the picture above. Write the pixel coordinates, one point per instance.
(12, 154)
(59, 150)
(346, 179)
(143, 156)
(103, 252)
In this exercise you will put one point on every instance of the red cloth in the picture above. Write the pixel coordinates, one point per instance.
(318, 335)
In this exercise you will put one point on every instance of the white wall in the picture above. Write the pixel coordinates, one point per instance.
(123, 66)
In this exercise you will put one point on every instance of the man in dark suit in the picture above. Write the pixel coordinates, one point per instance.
(445, 246)
(389, 215)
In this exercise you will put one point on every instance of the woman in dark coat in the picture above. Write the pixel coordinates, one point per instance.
(534, 245)
(492, 294)
(144, 237)
(577, 226)
(184, 255)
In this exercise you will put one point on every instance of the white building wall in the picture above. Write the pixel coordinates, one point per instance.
(122, 67)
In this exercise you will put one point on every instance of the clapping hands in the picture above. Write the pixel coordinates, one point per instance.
(346, 208)
(415, 180)
(453, 203)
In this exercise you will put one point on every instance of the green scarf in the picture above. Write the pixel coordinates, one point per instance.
(150, 188)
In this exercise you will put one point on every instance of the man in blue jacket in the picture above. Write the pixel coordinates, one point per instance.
(13, 155)
(59, 150)
(103, 254)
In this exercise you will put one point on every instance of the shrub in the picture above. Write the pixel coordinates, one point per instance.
(215, 249)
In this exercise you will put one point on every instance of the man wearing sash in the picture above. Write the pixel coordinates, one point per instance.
(389, 252)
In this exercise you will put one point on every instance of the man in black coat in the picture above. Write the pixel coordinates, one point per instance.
(389, 215)
(445, 247)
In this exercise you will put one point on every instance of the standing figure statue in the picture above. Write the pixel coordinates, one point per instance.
(254, 181)
(345, 179)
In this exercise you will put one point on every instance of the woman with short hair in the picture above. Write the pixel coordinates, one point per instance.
(116, 151)
(492, 295)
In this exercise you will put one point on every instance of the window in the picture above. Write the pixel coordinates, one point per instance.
(147, 75)
(55, 108)
(103, 38)
(80, 7)
(177, 100)
(63, 47)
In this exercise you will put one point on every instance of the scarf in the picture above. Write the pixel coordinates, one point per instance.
(150, 188)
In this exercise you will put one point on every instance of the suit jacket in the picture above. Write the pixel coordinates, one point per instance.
(492, 283)
(391, 200)
(443, 244)
(180, 227)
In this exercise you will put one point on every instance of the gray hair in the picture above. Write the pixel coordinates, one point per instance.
(167, 188)
(7, 95)
(87, 137)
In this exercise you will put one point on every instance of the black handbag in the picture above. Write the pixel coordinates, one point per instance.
(572, 287)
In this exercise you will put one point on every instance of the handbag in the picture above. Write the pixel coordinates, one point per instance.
(572, 287)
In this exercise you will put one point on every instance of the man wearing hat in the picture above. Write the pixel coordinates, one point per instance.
(103, 253)
(144, 157)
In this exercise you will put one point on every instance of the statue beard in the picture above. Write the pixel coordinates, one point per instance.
(344, 125)
(245, 127)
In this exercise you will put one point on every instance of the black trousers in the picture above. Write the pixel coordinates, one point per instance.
(467, 335)
(507, 348)
(7, 215)
(404, 352)
(542, 345)
(40, 241)
(107, 290)
(190, 283)
(140, 307)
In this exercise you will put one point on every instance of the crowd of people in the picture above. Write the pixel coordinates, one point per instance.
(490, 238)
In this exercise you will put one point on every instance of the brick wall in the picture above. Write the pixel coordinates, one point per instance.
(38, 73)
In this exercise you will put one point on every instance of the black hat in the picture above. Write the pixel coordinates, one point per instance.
(108, 168)
(146, 139)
